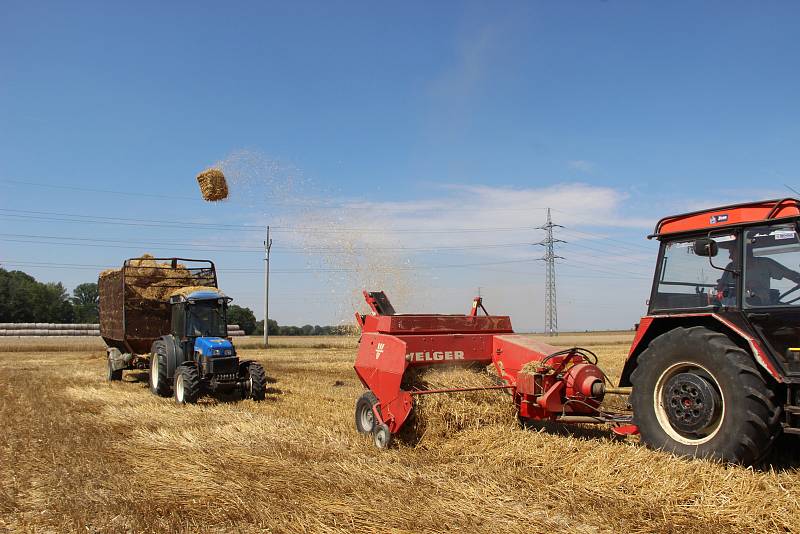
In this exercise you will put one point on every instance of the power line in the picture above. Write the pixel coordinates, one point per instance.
(86, 241)
(284, 271)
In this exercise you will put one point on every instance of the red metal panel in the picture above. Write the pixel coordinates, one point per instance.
(725, 216)
(512, 352)
(431, 324)
(758, 352)
(448, 349)
(380, 364)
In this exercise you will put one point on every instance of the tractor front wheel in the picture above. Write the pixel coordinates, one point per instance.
(187, 384)
(696, 393)
(255, 382)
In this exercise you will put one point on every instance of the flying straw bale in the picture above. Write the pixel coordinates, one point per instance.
(213, 185)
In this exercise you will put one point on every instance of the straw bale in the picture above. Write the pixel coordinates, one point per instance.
(213, 185)
(440, 415)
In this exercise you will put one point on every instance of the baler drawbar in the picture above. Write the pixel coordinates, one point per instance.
(546, 383)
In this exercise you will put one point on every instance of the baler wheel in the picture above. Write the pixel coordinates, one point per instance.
(113, 375)
(697, 393)
(365, 417)
(187, 384)
(159, 381)
(382, 437)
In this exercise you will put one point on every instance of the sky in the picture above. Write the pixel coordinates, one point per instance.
(413, 147)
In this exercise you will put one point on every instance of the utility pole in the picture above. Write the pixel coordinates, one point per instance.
(550, 311)
(267, 248)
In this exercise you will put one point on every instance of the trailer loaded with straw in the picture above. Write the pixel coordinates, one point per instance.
(166, 315)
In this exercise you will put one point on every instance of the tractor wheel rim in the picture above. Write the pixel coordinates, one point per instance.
(688, 403)
(179, 388)
(154, 372)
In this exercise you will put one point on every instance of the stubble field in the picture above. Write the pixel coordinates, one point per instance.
(80, 454)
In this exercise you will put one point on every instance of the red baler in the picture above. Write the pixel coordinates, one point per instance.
(546, 383)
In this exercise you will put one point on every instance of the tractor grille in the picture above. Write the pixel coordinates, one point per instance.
(226, 377)
(222, 366)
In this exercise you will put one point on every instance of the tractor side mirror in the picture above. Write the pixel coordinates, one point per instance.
(705, 247)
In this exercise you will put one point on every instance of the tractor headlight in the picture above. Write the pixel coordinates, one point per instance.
(216, 352)
(228, 352)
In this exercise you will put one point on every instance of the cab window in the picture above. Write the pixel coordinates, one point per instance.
(772, 261)
(686, 280)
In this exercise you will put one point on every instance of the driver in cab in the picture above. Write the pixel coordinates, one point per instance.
(761, 270)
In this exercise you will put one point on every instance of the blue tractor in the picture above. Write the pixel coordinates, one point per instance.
(166, 315)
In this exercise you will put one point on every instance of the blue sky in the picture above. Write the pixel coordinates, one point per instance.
(416, 144)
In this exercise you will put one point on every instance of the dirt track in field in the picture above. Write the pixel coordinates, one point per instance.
(80, 454)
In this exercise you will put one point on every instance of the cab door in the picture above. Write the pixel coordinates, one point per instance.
(771, 290)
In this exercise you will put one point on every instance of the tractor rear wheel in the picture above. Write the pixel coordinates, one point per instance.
(255, 382)
(159, 379)
(187, 384)
(365, 417)
(697, 393)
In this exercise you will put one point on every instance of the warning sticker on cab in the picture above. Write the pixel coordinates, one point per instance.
(783, 234)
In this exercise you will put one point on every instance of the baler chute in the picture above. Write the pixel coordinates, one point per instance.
(546, 383)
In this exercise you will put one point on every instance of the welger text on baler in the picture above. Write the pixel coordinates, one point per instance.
(434, 356)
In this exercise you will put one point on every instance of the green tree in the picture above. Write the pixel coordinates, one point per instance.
(85, 300)
(244, 317)
(274, 329)
(24, 300)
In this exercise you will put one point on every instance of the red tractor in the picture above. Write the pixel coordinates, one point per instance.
(715, 364)
(714, 369)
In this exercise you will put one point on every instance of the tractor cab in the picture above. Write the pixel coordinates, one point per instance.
(715, 363)
(199, 314)
(745, 269)
(200, 326)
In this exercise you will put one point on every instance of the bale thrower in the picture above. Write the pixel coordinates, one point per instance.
(545, 383)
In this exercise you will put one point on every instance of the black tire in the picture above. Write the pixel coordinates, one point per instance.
(365, 417)
(111, 374)
(255, 382)
(696, 393)
(187, 384)
(159, 374)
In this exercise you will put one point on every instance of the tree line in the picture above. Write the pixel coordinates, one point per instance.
(25, 300)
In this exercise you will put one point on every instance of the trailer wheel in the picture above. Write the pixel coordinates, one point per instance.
(255, 382)
(187, 384)
(159, 381)
(382, 437)
(696, 393)
(112, 375)
(365, 417)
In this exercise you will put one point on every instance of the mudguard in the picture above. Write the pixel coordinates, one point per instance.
(652, 326)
